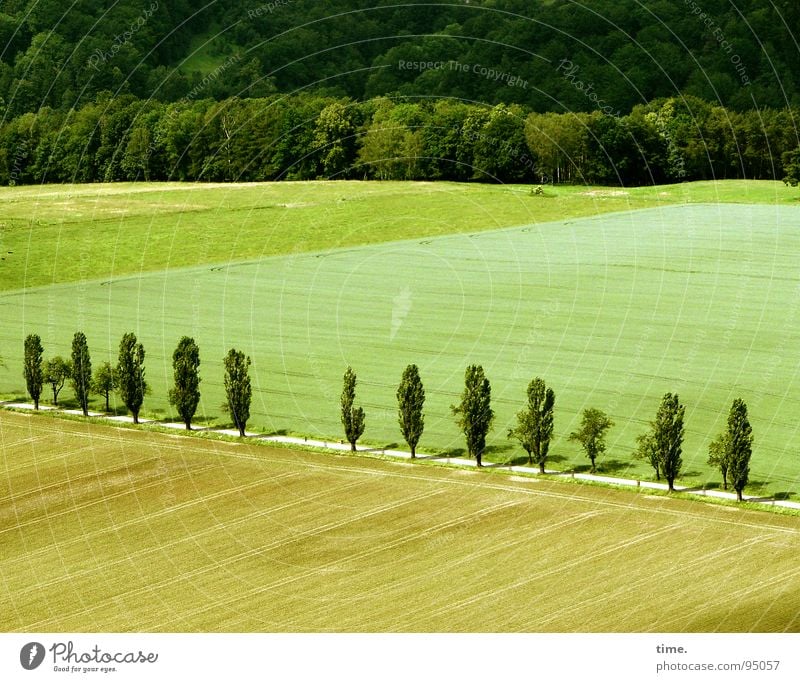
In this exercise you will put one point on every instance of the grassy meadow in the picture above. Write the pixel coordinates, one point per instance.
(613, 310)
(51, 234)
(107, 529)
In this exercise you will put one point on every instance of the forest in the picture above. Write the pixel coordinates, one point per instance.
(740, 55)
(616, 92)
(308, 136)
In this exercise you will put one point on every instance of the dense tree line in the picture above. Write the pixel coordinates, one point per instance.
(661, 445)
(500, 50)
(308, 137)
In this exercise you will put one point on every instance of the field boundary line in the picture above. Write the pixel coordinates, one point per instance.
(332, 445)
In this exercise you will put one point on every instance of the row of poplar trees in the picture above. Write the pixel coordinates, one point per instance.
(128, 377)
(661, 445)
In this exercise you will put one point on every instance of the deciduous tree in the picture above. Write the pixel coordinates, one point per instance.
(56, 372)
(719, 457)
(592, 432)
(646, 450)
(105, 382)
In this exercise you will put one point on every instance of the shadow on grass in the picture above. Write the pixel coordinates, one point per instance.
(452, 452)
(609, 466)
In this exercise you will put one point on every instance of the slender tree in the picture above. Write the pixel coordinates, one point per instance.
(81, 371)
(719, 457)
(410, 401)
(668, 437)
(130, 374)
(105, 382)
(237, 388)
(34, 376)
(185, 395)
(592, 432)
(474, 415)
(352, 417)
(646, 450)
(534, 427)
(56, 372)
(739, 438)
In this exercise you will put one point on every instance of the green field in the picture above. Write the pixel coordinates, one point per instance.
(51, 234)
(612, 310)
(108, 529)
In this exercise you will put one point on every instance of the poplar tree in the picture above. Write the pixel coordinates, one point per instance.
(81, 371)
(352, 417)
(237, 388)
(130, 374)
(185, 395)
(668, 437)
(474, 415)
(534, 427)
(739, 440)
(410, 401)
(32, 368)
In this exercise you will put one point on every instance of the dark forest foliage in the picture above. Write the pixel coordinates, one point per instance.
(740, 55)
(309, 137)
(608, 91)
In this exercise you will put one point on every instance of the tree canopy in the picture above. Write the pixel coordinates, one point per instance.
(622, 52)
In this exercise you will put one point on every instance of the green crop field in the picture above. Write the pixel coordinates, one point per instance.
(53, 234)
(612, 310)
(109, 529)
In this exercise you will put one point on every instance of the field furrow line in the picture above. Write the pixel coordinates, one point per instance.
(209, 530)
(495, 548)
(250, 553)
(641, 582)
(716, 602)
(146, 518)
(354, 557)
(122, 493)
(585, 558)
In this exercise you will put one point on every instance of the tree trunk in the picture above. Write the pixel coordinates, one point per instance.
(541, 467)
(241, 431)
(738, 495)
(188, 423)
(108, 407)
(593, 469)
(352, 446)
(530, 458)
(85, 410)
(478, 458)
(136, 417)
(725, 480)
(670, 482)
(413, 451)
(36, 403)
